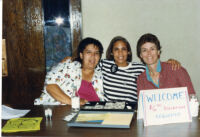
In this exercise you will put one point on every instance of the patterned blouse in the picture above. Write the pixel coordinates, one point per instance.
(68, 76)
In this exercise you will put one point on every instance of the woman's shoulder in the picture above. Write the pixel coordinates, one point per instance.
(66, 65)
(132, 64)
(107, 61)
(72, 64)
(142, 76)
(168, 66)
(136, 65)
(97, 72)
(63, 63)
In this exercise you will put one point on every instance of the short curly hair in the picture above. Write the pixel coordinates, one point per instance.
(148, 37)
(84, 43)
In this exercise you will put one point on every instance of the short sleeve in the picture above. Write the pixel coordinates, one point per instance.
(185, 81)
(57, 73)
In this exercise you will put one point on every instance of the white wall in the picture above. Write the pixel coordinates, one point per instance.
(175, 22)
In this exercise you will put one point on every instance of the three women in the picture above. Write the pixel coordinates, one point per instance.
(119, 74)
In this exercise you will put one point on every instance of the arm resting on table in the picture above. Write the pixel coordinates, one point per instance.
(56, 92)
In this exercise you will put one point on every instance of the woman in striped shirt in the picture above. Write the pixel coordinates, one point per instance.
(119, 72)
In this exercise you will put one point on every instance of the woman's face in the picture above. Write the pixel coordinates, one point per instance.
(149, 53)
(90, 56)
(120, 53)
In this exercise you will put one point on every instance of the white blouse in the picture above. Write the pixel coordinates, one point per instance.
(68, 75)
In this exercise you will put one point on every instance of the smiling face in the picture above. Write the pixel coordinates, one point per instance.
(90, 57)
(149, 53)
(120, 53)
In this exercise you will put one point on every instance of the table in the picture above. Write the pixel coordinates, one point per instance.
(58, 127)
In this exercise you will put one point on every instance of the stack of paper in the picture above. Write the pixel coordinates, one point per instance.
(106, 118)
(8, 113)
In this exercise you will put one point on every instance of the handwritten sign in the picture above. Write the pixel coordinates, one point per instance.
(164, 106)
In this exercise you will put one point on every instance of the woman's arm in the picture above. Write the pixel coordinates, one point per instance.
(56, 92)
(184, 80)
(139, 86)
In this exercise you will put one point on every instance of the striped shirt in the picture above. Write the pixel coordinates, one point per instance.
(122, 84)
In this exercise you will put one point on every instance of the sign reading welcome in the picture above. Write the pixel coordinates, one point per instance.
(164, 106)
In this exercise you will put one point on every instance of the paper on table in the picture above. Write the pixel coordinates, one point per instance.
(22, 124)
(8, 113)
(90, 117)
(117, 119)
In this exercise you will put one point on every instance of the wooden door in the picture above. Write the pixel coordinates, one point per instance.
(23, 31)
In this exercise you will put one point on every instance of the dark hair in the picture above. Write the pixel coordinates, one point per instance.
(147, 38)
(109, 54)
(84, 43)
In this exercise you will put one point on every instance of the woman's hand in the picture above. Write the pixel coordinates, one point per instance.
(66, 58)
(175, 64)
(83, 101)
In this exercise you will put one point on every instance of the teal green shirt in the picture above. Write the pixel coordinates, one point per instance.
(158, 69)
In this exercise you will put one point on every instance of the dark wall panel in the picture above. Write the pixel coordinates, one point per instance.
(76, 24)
(23, 31)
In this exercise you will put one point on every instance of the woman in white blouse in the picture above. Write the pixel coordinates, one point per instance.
(79, 75)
